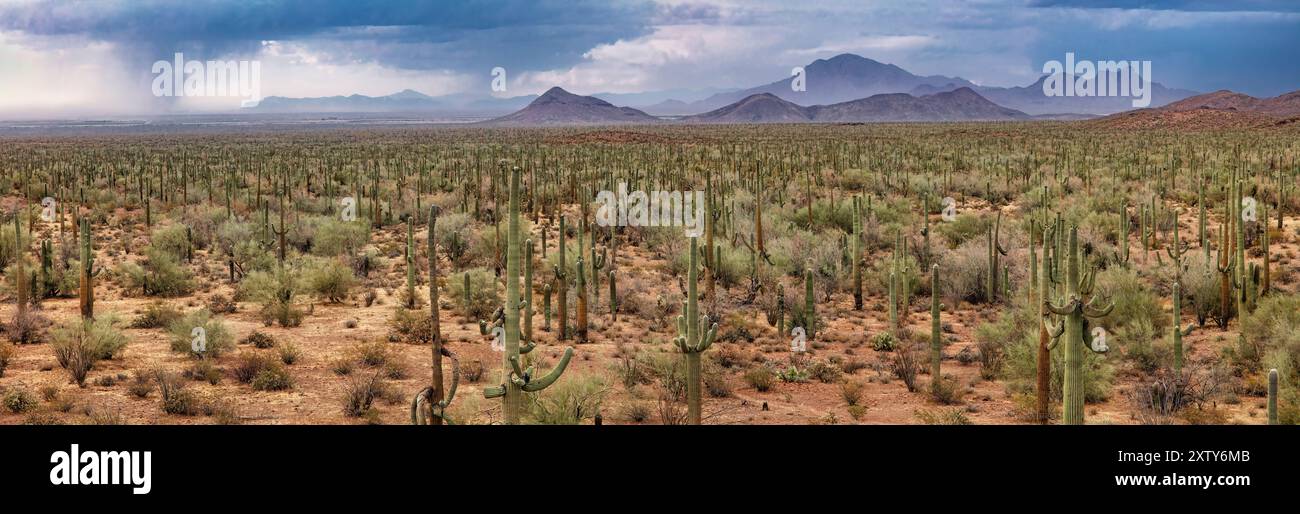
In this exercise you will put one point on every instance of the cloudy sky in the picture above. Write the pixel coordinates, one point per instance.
(96, 57)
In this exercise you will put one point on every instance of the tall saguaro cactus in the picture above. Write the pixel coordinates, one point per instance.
(692, 339)
(428, 406)
(936, 329)
(88, 272)
(1076, 307)
(855, 253)
(1178, 331)
(562, 286)
(1272, 396)
(515, 379)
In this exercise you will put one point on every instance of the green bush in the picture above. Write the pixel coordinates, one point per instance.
(335, 237)
(172, 240)
(78, 345)
(219, 340)
(761, 378)
(18, 400)
(156, 315)
(161, 275)
(570, 401)
(275, 291)
(963, 228)
(329, 280)
(483, 298)
(272, 377)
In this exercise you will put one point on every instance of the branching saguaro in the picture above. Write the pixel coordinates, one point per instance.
(692, 338)
(516, 380)
(1078, 305)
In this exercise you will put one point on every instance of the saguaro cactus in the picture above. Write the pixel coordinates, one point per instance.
(995, 251)
(692, 339)
(1045, 335)
(936, 330)
(88, 272)
(1179, 332)
(562, 286)
(410, 263)
(1074, 310)
(429, 405)
(20, 269)
(809, 306)
(580, 314)
(855, 252)
(515, 379)
(1272, 396)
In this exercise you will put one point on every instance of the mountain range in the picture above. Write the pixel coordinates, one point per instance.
(962, 104)
(1217, 110)
(840, 79)
(559, 107)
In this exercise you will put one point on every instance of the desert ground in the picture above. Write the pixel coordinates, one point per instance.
(325, 335)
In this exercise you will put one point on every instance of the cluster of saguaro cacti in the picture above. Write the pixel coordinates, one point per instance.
(693, 339)
(1076, 306)
(517, 380)
(429, 405)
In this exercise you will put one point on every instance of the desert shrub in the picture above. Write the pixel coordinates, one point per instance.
(204, 370)
(222, 304)
(884, 342)
(290, 354)
(156, 315)
(172, 240)
(450, 231)
(965, 227)
(954, 416)
(373, 354)
(904, 364)
(217, 337)
(715, 380)
(334, 237)
(946, 390)
(141, 385)
(259, 339)
(851, 392)
(275, 291)
(1134, 301)
(272, 377)
(161, 275)
(78, 345)
(329, 280)
(6, 353)
(18, 400)
(635, 411)
(964, 272)
(1200, 285)
(825, 372)
(792, 374)
(761, 378)
(248, 365)
(410, 326)
(570, 401)
(176, 399)
(483, 297)
(26, 328)
(632, 372)
(360, 394)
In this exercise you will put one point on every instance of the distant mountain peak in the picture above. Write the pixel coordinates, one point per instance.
(559, 107)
